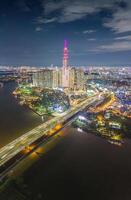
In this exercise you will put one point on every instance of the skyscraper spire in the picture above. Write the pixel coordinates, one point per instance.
(65, 55)
(65, 43)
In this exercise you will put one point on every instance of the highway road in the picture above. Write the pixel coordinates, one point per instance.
(13, 148)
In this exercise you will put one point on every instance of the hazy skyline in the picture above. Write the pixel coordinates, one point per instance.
(32, 32)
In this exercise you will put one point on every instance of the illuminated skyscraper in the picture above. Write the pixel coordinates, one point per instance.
(65, 56)
(70, 78)
(65, 68)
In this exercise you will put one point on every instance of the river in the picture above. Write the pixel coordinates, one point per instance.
(80, 165)
(15, 120)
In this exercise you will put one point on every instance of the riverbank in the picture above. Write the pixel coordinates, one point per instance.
(15, 119)
(75, 167)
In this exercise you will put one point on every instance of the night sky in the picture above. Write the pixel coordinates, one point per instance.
(32, 32)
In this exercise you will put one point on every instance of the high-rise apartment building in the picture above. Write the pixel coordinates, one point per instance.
(43, 78)
(76, 79)
(48, 78)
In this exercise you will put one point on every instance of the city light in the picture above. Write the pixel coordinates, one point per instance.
(81, 117)
(65, 100)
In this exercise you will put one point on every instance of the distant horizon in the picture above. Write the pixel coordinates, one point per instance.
(59, 66)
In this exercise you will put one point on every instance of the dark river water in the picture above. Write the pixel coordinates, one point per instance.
(14, 119)
(79, 166)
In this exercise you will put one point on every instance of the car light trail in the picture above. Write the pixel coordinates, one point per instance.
(19, 144)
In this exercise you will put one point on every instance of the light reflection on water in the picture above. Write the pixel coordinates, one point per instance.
(114, 129)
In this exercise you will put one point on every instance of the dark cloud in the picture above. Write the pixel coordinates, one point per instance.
(74, 10)
(41, 25)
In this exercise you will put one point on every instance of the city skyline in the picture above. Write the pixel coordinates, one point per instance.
(98, 32)
(65, 99)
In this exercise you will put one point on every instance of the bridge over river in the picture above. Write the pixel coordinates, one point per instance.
(12, 149)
